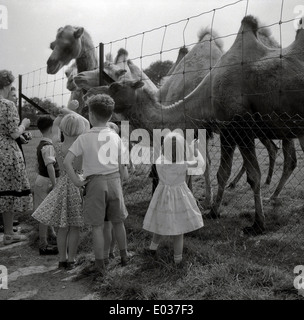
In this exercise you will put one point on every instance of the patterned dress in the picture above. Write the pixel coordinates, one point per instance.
(173, 209)
(62, 207)
(15, 190)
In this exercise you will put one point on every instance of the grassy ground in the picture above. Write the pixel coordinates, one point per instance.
(219, 261)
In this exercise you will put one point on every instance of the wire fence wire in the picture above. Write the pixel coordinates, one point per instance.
(284, 230)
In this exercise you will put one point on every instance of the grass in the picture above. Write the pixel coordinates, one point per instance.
(219, 261)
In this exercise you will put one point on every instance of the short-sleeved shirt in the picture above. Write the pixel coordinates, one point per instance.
(99, 148)
(48, 153)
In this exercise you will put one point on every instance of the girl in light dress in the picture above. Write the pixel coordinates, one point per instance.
(173, 210)
(62, 208)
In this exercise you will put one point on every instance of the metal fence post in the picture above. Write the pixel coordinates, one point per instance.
(101, 62)
(20, 96)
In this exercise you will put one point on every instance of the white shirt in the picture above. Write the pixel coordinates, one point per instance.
(99, 149)
(48, 152)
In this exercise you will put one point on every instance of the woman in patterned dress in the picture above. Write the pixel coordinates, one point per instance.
(15, 191)
(62, 207)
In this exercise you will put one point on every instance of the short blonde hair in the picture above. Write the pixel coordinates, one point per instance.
(72, 125)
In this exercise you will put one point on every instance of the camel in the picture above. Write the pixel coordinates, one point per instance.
(263, 82)
(72, 43)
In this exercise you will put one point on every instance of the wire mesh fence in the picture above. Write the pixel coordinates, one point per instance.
(156, 106)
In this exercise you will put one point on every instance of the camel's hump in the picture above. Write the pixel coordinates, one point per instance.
(251, 22)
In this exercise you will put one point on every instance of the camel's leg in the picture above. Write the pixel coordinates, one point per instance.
(272, 152)
(251, 164)
(237, 178)
(208, 189)
(227, 149)
(290, 163)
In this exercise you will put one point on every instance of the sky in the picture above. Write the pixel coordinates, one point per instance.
(32, 25)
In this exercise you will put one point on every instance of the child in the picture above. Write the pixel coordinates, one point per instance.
(103, 193)
(173, 210)
(62, 207)
(109, 236)
(48, 171)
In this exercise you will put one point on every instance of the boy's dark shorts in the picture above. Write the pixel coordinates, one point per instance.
(103, 198)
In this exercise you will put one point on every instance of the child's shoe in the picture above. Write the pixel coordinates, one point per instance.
(71, 265)
(62, 264)
(13, 238)
(124, 260)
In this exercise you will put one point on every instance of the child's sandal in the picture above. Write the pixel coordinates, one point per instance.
(70, 265)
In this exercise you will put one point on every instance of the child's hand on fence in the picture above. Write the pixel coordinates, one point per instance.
(193, 148)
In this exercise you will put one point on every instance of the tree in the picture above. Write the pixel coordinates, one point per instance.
(157, 70)
(30, 112)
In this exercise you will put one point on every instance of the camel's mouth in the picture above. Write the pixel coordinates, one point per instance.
(71, 86)
(54, 66)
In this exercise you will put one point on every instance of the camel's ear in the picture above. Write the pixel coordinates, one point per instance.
(114, 87)
(52, 45)
(78, 32)
(138, 84)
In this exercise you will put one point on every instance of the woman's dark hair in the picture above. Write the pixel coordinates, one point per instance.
(44, 123)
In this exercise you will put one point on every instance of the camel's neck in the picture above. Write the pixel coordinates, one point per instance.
(87, 59)
(150, 114)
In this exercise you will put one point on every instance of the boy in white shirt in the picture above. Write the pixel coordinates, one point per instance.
(103, 191)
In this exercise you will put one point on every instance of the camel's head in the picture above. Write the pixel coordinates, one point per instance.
(124, 94)
(90, 79)
(66, 47)
(70, 73)
(87, 79)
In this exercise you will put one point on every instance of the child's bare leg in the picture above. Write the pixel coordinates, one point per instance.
(51, 232)
(155, 241)
(121, 238)
(73, 241)
(43, 229)
(112, 245)
(178, 244)
(8, 221)
(107, 233)
(62, 235)
(98, 245)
